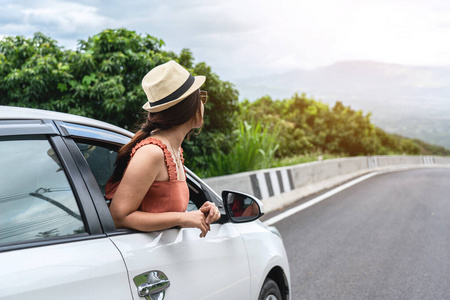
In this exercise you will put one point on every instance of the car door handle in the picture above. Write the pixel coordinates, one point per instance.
(152, 285)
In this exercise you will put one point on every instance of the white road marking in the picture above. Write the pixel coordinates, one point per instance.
(316, 200)
(262, 185)
(285, 179)
(275, 183)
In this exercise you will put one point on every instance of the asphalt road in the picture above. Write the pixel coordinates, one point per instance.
(385, 238)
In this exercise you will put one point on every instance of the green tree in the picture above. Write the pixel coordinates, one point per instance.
(309, 126)
(283, 116)
(220, 118)
(102, 80)
(107, 70)
(31, 71)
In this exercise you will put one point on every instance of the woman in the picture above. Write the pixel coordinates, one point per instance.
(148, 188)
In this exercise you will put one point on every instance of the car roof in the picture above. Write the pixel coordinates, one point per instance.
(22, 113)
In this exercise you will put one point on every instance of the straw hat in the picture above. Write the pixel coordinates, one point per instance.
(167, 85)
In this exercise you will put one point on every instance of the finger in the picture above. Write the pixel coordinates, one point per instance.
(206, 204)
(205, 207)
(212, 214)
(205, 215)
(204, 228)
(204, 231)
(212, 217)
(209, 218)
(215, 215)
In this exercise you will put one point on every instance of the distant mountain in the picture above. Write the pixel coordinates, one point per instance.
(409, 100)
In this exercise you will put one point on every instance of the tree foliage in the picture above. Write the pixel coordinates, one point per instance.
(102, 80)
(220, 117)
(32, 71)
(310, 126)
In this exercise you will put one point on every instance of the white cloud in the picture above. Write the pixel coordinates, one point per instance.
(67, 18)
(63, 21)
(241, 38)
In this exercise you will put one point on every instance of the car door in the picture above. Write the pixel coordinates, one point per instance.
(52, 245)
(215, 267)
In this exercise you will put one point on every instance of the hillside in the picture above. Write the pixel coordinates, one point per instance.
(406, 100)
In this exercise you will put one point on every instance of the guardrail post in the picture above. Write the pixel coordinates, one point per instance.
(372, 162)
(428, 160)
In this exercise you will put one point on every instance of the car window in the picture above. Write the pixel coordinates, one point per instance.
(191, 206)
(101, 160)
(196, 195)
(36, 199)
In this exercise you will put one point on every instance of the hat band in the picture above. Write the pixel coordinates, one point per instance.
(177, 94)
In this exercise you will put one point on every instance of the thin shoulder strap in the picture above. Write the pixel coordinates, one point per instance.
(171, 167)
(182, 160)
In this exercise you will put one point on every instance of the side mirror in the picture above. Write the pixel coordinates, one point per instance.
(241, 207)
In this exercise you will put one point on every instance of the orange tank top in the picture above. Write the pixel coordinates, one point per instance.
(162, 196)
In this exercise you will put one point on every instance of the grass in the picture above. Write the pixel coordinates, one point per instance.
(253, 149)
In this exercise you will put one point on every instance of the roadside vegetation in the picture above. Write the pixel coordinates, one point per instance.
(101, 79)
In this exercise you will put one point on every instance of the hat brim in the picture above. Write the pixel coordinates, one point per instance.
(198, 82)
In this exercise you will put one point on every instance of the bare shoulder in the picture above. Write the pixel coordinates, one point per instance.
(150, 149)
(150, 153)
(148, 164)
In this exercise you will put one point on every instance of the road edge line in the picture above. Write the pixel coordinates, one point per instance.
(318, 199)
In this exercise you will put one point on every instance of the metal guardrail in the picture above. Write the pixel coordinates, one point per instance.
(270, 183)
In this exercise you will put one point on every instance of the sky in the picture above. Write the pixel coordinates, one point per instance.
(240, 39)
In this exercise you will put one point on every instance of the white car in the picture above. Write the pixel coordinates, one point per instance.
(58, 240)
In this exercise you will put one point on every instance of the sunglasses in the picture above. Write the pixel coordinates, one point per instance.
(204, 96)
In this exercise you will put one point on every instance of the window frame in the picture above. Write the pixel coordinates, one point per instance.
(92, 186)
(19, 127)
(83, 199)
(73, 133)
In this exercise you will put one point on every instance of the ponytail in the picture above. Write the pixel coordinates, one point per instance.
(123, 156)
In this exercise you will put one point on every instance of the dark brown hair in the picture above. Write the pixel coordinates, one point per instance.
(178, 114)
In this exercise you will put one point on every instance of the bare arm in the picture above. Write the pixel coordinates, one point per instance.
(147, 166)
